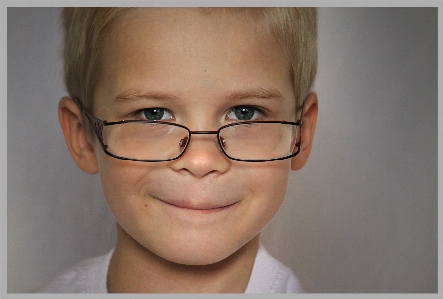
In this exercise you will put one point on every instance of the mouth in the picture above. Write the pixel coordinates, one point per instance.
(204, 208)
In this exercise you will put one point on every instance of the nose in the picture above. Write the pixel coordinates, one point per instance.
(203, 155)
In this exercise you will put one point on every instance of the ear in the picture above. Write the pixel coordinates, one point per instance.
(309, 118)
(80, 147)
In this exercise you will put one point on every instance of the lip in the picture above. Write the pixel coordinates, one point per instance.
(202, 208)
(206, 208)
(188, 196)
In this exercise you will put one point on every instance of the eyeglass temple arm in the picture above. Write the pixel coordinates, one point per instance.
(96, 124)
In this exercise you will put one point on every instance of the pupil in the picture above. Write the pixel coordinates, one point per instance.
(244, 113)
(154, 113)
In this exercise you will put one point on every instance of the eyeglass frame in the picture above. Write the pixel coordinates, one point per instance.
(99, 124)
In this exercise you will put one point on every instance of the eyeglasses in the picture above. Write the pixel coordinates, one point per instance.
(159, 141)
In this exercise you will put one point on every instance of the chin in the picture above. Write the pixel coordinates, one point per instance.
(198, 255)
(199, 251)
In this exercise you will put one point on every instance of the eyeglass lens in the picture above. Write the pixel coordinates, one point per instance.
(160, 141)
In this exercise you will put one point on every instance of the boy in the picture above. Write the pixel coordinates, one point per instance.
(193, 118)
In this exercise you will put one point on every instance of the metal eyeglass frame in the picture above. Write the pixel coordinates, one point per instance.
(98, 124)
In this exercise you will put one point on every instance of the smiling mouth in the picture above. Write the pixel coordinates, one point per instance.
(201, 208)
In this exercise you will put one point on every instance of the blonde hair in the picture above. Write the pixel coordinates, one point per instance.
(294, 28)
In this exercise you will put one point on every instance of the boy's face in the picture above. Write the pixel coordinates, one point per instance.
(202, 207)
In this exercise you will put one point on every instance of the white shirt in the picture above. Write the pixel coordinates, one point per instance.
(89, 276)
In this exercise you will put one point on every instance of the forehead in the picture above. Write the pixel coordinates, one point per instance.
(167, 46)
(185, 20)
(191, 31)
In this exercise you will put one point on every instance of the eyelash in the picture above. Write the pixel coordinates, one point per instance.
(138, 114)
(262, 113)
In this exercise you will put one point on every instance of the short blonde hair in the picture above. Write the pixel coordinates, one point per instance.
(294, 28)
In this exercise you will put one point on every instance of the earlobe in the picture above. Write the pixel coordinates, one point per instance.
(80, 147)
(310, 111)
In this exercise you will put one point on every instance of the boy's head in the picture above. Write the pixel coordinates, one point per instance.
(203, 69)
(295, 30)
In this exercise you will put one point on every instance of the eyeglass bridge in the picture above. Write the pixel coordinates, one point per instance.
(184, 141)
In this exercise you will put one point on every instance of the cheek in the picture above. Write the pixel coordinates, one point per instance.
(121, 183)
(270, 180)
(269, 184)
(124, 186)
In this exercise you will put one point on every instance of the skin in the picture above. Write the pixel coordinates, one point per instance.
(192, 224)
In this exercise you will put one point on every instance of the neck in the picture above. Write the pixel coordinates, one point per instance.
(135, 269)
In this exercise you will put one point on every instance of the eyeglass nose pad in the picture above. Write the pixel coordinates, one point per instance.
(183, 142)
(222, 142)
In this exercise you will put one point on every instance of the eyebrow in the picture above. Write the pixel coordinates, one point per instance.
(138, 94)
(259, 93)
(233, 96)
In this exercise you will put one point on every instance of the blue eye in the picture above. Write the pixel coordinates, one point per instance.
(244, 113)
(156, 114)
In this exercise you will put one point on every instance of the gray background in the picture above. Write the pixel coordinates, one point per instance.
(360, 217)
